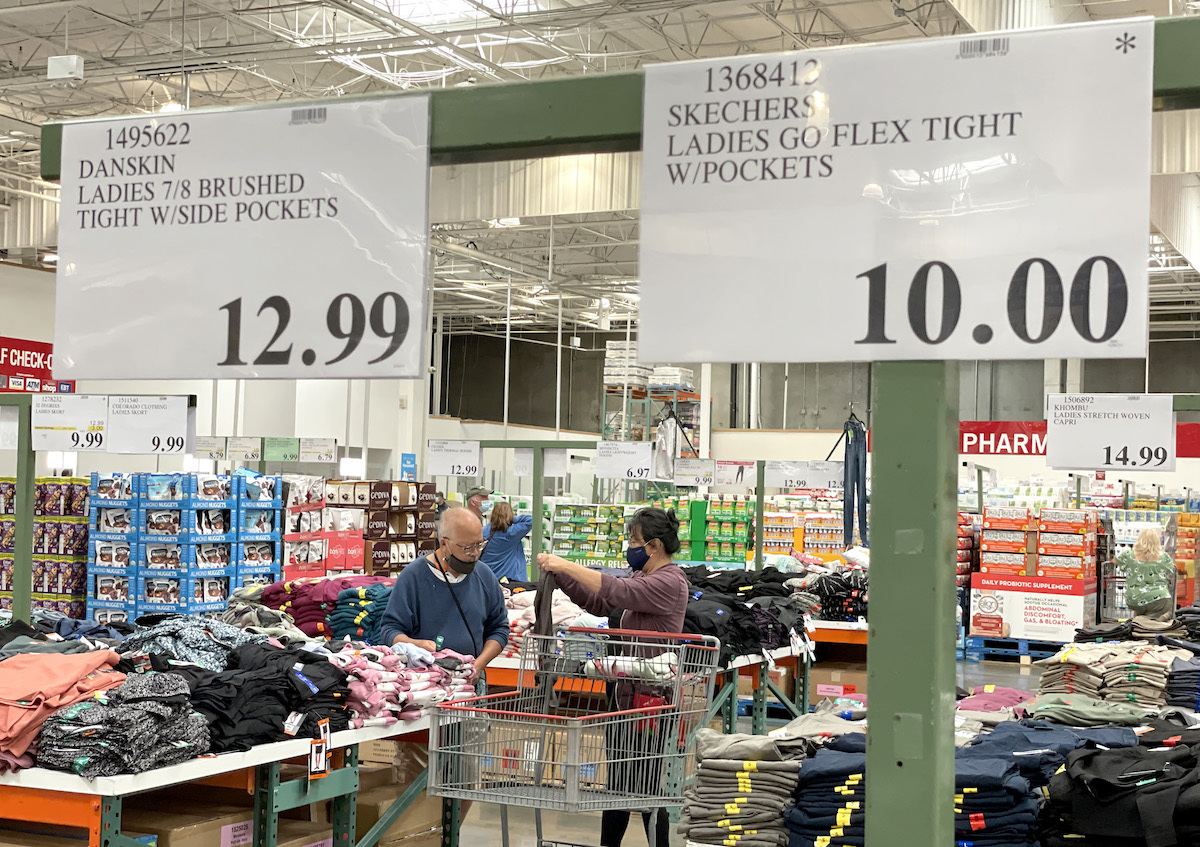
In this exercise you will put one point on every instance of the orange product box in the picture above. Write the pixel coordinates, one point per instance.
(1006, 517)
(1007, 564)
(1066, 544)
(1064, 567)
(1067, 520)
(1004, 541)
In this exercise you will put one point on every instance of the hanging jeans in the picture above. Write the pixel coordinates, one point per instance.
(855, 480)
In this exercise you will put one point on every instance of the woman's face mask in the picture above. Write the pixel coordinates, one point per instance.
(485, 507)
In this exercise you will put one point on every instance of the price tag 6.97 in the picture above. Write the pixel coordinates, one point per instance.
(628, 460)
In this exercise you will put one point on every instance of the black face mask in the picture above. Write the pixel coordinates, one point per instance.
(462, 567)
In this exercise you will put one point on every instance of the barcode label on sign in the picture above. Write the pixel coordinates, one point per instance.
(981, 48)
(308, 116)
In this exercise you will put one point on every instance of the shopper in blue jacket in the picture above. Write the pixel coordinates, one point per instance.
(503, 532)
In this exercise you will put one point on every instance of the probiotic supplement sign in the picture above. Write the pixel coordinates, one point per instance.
(276, 242)
(820, 206)
(1123, 432)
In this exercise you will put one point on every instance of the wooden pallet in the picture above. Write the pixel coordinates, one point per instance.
(979, 648)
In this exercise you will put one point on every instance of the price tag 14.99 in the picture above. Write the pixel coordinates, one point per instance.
(70, 422)
(453, 458)
(1124, 432)
(152, 425)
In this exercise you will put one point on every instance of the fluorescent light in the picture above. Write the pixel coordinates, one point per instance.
(171, 106)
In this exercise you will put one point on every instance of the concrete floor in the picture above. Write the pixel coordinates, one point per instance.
(482, 826)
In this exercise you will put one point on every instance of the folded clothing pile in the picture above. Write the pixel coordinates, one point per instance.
(250, 702)
(33, 687)
(1099, 632)
(310, 602)
(994, 804)
(726, 617)
(1038, 749)
(1139, 676)
(1081, 710)
(245, 610)
(359, 611)
(1189, 618)
(842, 596)
(1076, 669)
(1147, 629)
(831, 799)
(147, 722)
(757, 791)
(200, 641)
(1183, 683)
(391, 685)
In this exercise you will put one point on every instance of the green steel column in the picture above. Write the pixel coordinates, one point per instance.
(535, 542)
(910, 654)
(23, 542)
(758, 700)
(979, 481)
(760, 492)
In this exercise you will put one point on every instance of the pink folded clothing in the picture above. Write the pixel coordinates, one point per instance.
(993, 698)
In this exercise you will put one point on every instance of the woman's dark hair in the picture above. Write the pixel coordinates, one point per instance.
(655, 523)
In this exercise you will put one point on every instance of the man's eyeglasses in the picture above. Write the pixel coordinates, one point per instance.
(470, 548)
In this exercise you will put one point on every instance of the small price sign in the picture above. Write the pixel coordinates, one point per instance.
(318, 450)
(555, 462)
(243, 449)
(629, 460)
(787, 474)
(70, 422)
(281, 449)
(831, 475)
(211, 447)
(147, 425)
(695, 472)
(1133, 432)
(454, 458)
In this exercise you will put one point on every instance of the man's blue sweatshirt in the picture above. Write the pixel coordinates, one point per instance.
(421, 607)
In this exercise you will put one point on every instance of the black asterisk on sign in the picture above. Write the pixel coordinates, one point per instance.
(1125, 42)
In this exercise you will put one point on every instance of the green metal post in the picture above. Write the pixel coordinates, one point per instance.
(266, 818)
(345, 806)
(535, 542)
(1125, 489)
(760, 495)
(451, 821)
(1078, 491)
(23, 542)
(979, 487)
(910, 750)
(110, 825)
(758, 702)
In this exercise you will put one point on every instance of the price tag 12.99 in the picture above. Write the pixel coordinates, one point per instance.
(453, 458)
(786, 474)
(628, 460)
(69, 422)
(1123, 432)
(153, 425)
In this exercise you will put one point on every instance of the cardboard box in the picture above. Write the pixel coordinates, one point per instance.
(1065, 567)
(1006, 541)
(378, 752)
(1066, 520)
(1009, 564)
(176, 829)
(783, 678)
(14, 838)
(423, 815)
(1006, 517)
(1030, 607)
(837, 679)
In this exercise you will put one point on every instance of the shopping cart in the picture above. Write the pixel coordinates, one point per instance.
(602, 719)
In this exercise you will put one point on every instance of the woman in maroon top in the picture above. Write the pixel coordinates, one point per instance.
(654, 600)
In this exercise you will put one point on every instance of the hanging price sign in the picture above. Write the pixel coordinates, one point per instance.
(830, 475)
(1133, 432)
(210, 447)
(70, 422)
(318, 450)
(243, 449)
(695, 472)
(787, 474)
(281, 449)
(628, 460)
(555, 462)
(153, 425)
(453, 458)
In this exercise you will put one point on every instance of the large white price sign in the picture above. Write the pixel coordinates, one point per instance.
(70, 422)
(453, 458)
(629, 460)
(210, 447)
(166, 188)
(554, 462)
(973, 219)
(318, 450)
(695, 472)
(786, 474)
(147, 424)
(1132, 432)
(827, 475)
(244, 449)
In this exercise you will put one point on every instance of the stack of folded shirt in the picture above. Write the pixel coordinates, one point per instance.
(145, 723)
(1076, 669)
(1190, 619)
(1147, 629)
(756, 790)
(1139, 675)
(311, 601)
(831, 800)
(359, 611)
(1081, 710)
(993, 804)
(402, 683)
(1183, 683)
(245, 610)
(200, 641)
(1120, 631)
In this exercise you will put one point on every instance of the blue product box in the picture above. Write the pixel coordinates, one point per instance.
(164, 490)
(259, 554)
(261, 491)
(119, 553)
(261, 575)
(110, 611)
(165, 591)
(212, 491)
(165, 523)
(113, 523)
(212, 525)
(112, 585)
(158, 554)
(113, 489)
(259, 524)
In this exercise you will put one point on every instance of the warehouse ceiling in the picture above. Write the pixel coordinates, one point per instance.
(146, 56)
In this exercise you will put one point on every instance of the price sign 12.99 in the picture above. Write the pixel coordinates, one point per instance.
(1121, 432)
(453, 458)
(973, 220)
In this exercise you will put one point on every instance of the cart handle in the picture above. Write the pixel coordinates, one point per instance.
(461, 707)
(690, 637)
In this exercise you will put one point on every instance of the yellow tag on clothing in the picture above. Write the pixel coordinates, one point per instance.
(837, 832)
(723, 822)
(750, 766)
(854, 805)
(988, 689)
(843, 817)
(970, 791)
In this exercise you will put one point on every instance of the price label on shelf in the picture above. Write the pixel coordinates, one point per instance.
(695, 472)
(453, 458)
(787, 474)
(242, 449)
(975, 252)
(211, 447)
(70, 422)
(228, 314)
(735, 473)
(318, 450)
(153, 425)
(1124, 432)
(628, 460)
(281, 449)
(555, 462)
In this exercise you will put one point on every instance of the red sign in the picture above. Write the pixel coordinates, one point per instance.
(1002, 438)
(26, 366)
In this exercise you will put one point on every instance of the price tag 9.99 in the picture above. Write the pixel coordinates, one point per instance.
(453, 458)
(151, 425)
(69, 422)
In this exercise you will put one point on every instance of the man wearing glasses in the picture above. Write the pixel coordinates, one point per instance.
(448, 600)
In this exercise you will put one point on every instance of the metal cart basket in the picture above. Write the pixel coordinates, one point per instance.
(601, 719)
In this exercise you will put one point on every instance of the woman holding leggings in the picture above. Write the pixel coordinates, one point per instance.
(654, 599)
